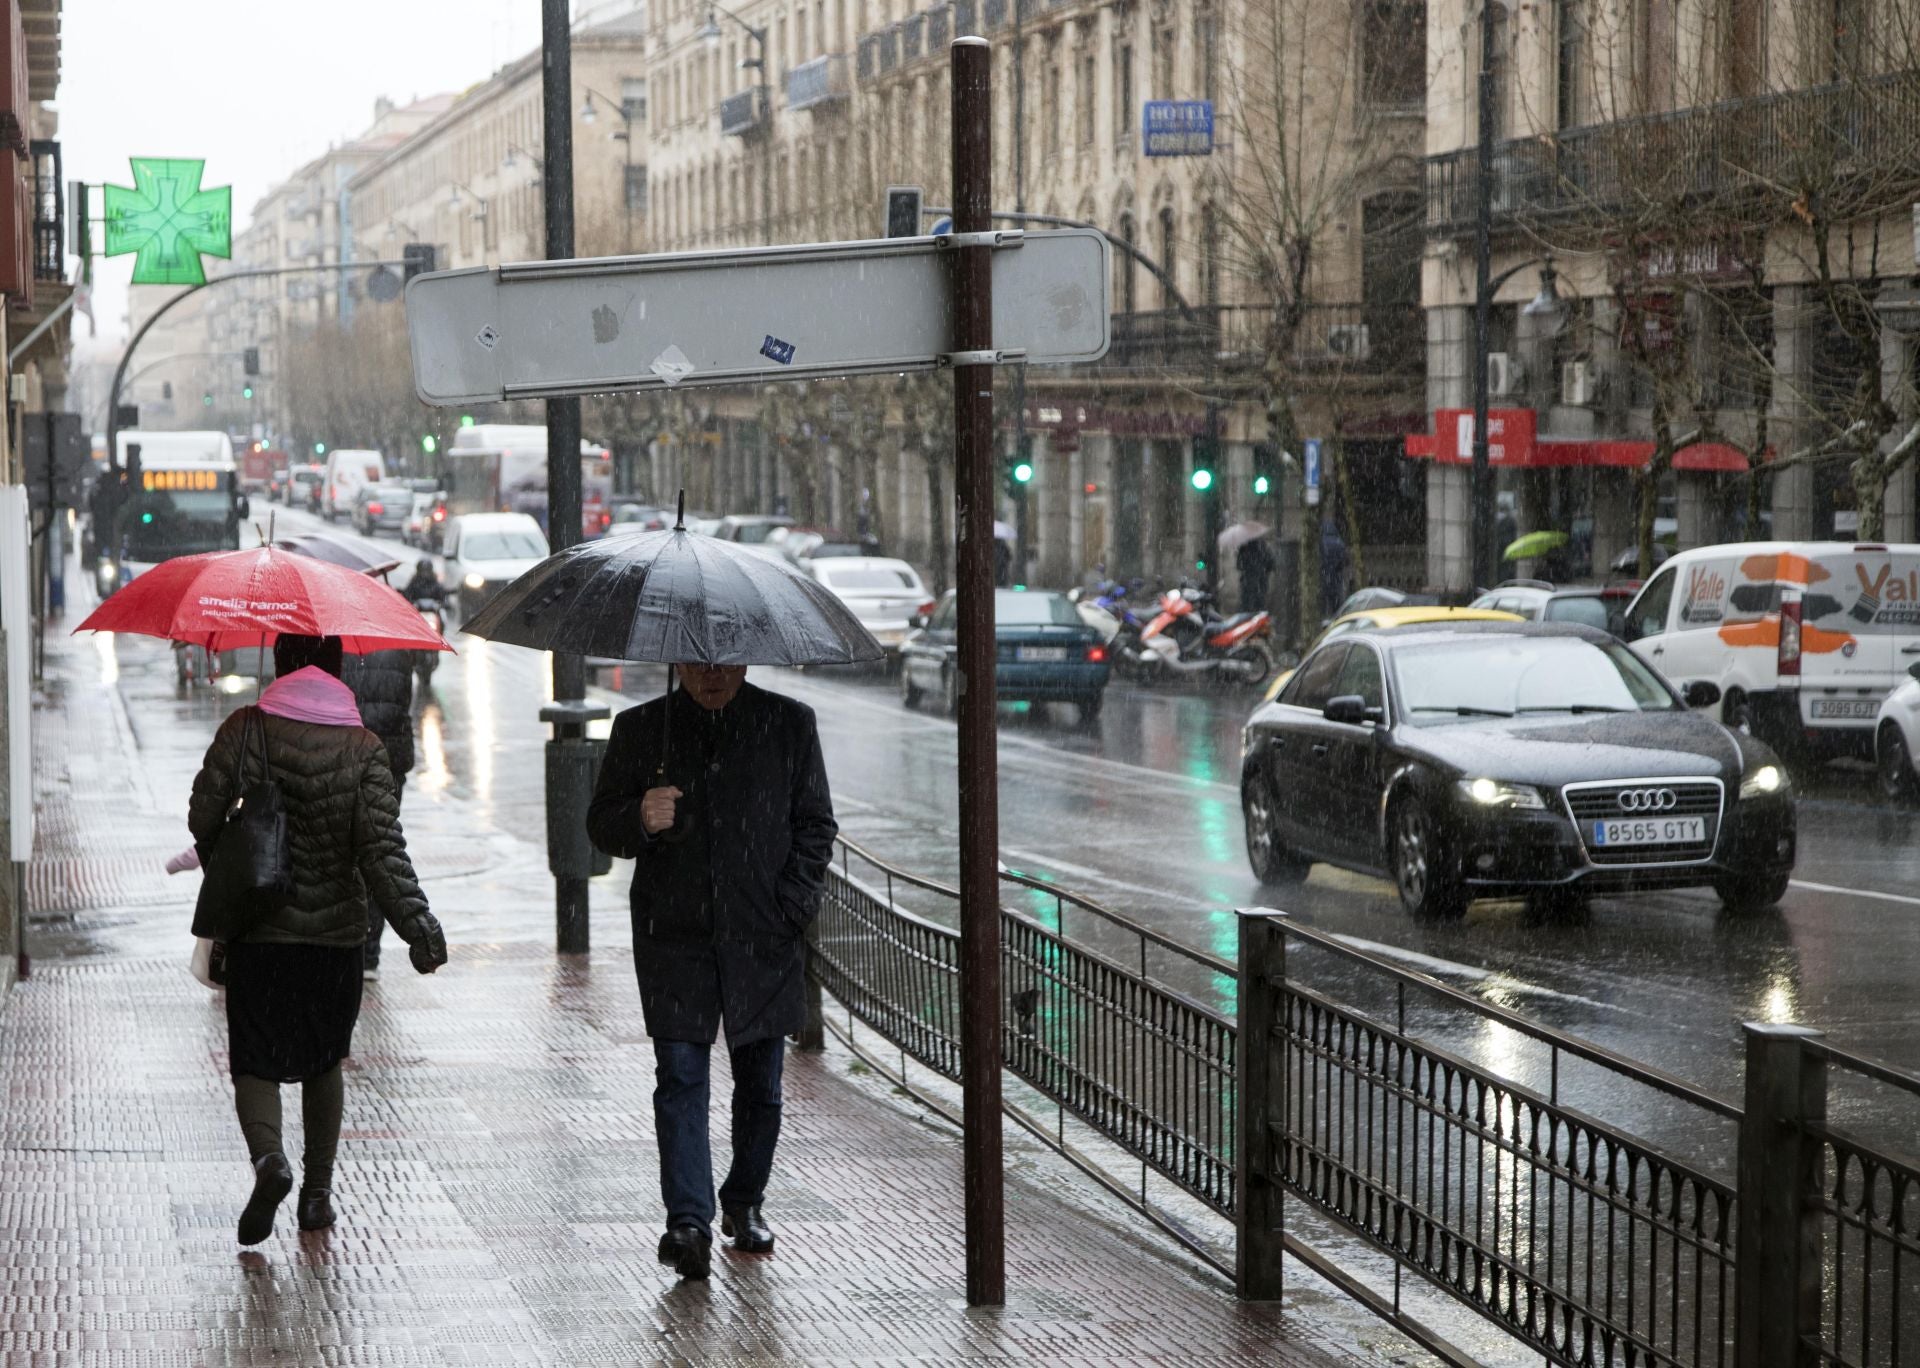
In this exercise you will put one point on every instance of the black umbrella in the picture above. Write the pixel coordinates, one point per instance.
(362, 557)
(675, 597)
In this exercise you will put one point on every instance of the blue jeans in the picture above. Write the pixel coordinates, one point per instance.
(680, 1096)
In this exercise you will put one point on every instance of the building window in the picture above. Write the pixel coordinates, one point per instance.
(1502, 69)
(1127, 293)
(1052, 111)
(1655, 54)
(1206, 31)
(633, 99)
(637, 189)
(1083, 101)
(1167, 265)
(1163, 62)
(1852, 21)
(1393, 52)
(1210, 256)
(1572, 97)
(1123, 90)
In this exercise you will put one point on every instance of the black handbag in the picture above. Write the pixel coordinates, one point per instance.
(249, 868)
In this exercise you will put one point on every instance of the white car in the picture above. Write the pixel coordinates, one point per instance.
(884, 594)
(486, 552)
(1896, 741)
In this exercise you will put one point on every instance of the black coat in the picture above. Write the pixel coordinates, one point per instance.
(718, 915)
(343, 828)
(382, 684)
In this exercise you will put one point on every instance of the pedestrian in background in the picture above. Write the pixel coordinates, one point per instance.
(293, 980)
(382, 685)
(1254, 561)
(719, 796)
(1333, 566)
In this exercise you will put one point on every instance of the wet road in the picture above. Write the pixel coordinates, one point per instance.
(1143, 814)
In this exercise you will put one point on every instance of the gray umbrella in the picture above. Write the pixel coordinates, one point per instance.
(675, 597)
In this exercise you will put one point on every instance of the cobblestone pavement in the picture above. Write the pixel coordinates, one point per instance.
(496, 1185)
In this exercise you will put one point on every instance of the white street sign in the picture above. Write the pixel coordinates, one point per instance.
(539, 329)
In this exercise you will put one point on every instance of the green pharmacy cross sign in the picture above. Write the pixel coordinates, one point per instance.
(169, 220)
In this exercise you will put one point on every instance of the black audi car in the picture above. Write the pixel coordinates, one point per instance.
(1509, 759)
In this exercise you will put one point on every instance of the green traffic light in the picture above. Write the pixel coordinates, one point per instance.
(247, 392)
(1203, 479)
(206, 400)
(1261, 484)
(466, 420)
(1023, 472)
(319, 448)
(429, 444)
(146, 517)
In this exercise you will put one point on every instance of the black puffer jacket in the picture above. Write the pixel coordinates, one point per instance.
(382, 684)
(343, 828)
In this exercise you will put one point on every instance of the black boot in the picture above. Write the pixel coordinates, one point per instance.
(688, 1250)
(316, 1208)
(272, 1181)
(749, 1229)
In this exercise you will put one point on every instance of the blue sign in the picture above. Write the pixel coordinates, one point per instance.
(1178, 128)
(1310, 468)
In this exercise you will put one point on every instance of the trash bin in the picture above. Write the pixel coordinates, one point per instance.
(573, 767)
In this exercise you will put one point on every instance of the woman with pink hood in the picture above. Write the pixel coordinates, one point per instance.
(294, 979)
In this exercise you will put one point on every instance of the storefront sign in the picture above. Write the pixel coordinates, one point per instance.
(1178, 128)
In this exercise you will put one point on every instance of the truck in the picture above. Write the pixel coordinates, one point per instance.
(262, 469)
(502, 468)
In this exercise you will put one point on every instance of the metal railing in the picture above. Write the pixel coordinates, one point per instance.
(1867, 1208)
(1143, 1065)
(824, 80)
(1579, 1239)
(1826, 136)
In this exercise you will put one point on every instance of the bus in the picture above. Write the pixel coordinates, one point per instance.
(184, 498)
(502, 468)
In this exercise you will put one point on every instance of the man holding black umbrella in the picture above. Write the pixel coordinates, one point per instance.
(718, 793)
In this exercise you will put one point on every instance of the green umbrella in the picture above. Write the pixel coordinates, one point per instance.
(1535, 544)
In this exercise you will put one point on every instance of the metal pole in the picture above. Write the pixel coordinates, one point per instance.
(1022, 444)
(1480, 569)
(766, 140)
(569, 713)
(979, 793)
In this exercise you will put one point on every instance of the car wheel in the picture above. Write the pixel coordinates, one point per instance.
(1428, 889)
(1089, 708)
(1736, 713)
(909, 691)
(1895, 765)
(1744, 893)
(949, 692)
(1255, 661)
(1273, 863)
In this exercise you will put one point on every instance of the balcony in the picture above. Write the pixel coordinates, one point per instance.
(49, 214)
(1854, 141)
(823, 81)
(913, 33)
(1371, 340)
(743, 114)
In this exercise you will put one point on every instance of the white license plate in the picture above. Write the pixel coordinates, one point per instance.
(890, 636)
(1852, 709)
(1040, 653)
(1631, 831)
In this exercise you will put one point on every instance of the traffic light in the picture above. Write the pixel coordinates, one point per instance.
(250, 360)
(246, 391)
(1023, 472)
(319, 448)
(206, 400)
(466, 420)
(429, 444)
(1202, 479)
(903, 211)
(1262, 486)
(417, 258)
(1206, 454)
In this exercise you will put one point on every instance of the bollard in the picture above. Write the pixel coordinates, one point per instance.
(573, 762)
(1777, 1262)
(1259, 1209)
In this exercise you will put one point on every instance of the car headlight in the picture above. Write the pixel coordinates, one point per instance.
(1764, 782)
(473, 581)
(1494, 793)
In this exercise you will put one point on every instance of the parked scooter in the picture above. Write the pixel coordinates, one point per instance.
(1107, 609)
(1188, 638)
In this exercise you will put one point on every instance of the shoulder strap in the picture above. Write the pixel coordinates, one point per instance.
(250, 715)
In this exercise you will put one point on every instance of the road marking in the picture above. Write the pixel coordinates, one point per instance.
(1482, 977)
(1053, 862)
(1856, 892)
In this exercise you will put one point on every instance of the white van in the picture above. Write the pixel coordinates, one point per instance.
(1804, 638)
(347, 471)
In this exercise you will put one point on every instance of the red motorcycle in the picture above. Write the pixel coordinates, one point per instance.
(1189, 637)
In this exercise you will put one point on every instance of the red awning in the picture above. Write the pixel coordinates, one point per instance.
(1523, 449)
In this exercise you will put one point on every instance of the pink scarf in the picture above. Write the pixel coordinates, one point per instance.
(311, 694)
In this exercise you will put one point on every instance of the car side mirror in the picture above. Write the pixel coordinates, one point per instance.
(1350, 710)
(241, 508)
(918, 621)
(1702, 693)
(1617, 624)
(1914, 669)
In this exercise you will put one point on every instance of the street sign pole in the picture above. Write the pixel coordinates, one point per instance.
(569, 784)
(973, 485)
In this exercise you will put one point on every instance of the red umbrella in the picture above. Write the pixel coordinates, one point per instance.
(228, 599)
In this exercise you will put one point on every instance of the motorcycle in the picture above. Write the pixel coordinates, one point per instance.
(1189, 638)
(432, 614)
(1106, 609)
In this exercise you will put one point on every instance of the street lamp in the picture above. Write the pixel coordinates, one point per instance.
(481, 207)
(589, 115)
(709, 34)
(514, 151)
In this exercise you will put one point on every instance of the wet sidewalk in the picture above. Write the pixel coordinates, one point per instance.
(497, 1187)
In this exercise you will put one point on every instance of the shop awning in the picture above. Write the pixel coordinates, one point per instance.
(1514, 443)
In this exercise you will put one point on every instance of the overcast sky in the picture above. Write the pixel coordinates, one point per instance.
(256, 87)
